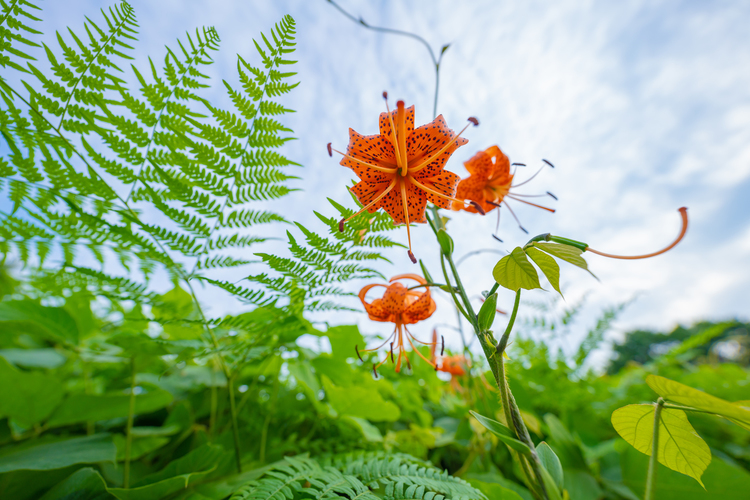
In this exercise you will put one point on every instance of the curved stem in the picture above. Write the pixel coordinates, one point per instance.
(654, 459)
(500, 349)
(435, 60)
(683, 214)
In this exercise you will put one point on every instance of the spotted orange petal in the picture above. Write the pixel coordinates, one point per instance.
(427, 140)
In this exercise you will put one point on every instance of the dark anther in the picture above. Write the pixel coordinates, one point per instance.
(392, 359)
(552, 195)
(493, 203)
(341, 225)
(517, 164)
(442, 349)
(385, 95)
(375, 370)
(411, 256)
(436, 367)
(408, 365)
(474, 121)
(548, 163)
(478, 207)
(524, 229)
(356, 349)
(330, 150)
(498, 239)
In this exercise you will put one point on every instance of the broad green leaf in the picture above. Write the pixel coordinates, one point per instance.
(551, 463)
(176, 476)
(493, 478)
(82, 450)
(343, 339)
(84, 484)
(553, 492)
(494, 491)
(27, 397)
(568, 448)
(722, 480)
(369, 431)
(53, 322)
(90, 408)
(682, 394)
(680, 447)
(548, 265)
(139, 446)
(567, 253)
(581, 485)
(503, 433)
(514, 271)
(34, 358)
(359, 401)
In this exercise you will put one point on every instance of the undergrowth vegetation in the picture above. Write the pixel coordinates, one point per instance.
(118, 175)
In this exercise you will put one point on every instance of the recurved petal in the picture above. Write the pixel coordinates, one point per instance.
(428, 140)
(374, 309)
(500, 162)
(420, 309)
(394, 299)
(473, 188)
(445, 184)
(366, 192)
(415, 199)
(481, 165)
(409, 276)
(385, 125)
(373, 149)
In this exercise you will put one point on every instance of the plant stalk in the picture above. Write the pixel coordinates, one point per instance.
(654, 459)
(129, 427)
(235, 429)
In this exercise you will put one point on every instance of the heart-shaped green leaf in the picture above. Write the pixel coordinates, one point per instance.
(514, 271)
(682, 394)
(548, 265)
(680, 448)
(567, 253)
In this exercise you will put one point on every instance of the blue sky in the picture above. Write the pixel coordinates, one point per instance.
(642, 106)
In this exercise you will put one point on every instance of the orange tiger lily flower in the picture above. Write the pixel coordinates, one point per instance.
(401, 306)
(490, 183)
(401, 168)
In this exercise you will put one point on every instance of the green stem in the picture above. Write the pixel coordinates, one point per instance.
(267, 422)
(129, 427)
(654, 459)
(462, 291)
(235, 429)
(506, 335)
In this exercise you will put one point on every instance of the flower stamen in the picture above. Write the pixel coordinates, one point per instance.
(513, 197)
(373, 202)
(387, 170)
(422, 164)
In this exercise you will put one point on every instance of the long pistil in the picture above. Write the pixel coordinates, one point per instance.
(404, 201)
